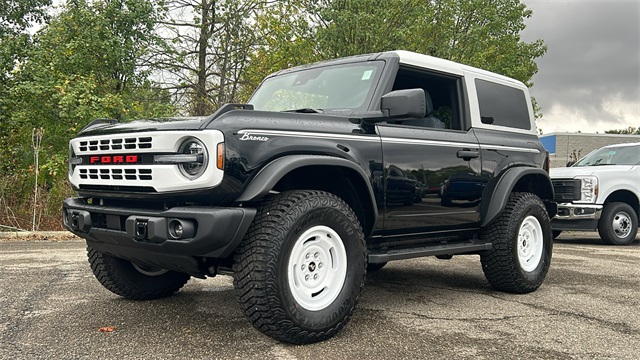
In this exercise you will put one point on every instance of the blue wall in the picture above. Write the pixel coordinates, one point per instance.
(549, 143)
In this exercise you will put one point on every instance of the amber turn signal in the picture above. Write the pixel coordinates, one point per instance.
(220, 156)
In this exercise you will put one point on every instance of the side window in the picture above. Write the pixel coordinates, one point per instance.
(502, 105)
(442, 98)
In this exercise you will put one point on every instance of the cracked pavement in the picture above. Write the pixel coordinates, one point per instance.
(52, 307)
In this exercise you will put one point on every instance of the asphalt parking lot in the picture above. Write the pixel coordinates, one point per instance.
(52, 307)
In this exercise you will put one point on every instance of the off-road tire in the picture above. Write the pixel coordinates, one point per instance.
(264, 270)
(503, 264)
(121, 278)
(618, 224)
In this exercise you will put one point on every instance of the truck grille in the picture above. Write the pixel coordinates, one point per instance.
(566, 190)
(116, 174)
(116, 143)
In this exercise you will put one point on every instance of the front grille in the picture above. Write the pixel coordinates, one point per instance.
(116, 174)
(119, 143)
(566, 190)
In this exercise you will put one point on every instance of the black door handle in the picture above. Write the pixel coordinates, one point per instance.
(468, 154)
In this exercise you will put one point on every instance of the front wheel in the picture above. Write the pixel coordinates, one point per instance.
(299, 271)
(522, 245)
(618, 224)
(133, 281)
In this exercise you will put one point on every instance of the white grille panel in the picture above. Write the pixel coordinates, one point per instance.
(116, 174)
(115, 143)
(160, 177)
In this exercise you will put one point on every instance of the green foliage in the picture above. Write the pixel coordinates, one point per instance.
(628, 131)
(481, 33)
(82, 65)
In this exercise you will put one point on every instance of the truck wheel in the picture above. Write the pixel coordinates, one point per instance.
(522, 244)
(300, 269)
(618, 224)
(556, 233)
(136, 282)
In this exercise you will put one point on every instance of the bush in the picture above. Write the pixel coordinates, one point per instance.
(17, 202)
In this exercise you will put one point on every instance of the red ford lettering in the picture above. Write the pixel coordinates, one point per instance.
(117, 159)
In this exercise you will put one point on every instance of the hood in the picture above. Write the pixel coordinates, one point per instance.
(99, 127)
(571, 172)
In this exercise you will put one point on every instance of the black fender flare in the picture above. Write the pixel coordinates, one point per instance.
(498, 192)
(271, 173)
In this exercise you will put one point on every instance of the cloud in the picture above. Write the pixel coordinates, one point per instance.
(589, 80)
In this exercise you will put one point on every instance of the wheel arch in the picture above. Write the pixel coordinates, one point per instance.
(521, 179)
(625, 196)
(296, 172)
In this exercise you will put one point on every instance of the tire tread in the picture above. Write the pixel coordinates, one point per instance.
(256, 257)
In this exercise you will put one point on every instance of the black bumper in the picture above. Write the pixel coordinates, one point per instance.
(577, 224)
(144, 236)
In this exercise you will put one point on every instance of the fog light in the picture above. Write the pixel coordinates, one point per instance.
(181, 229)
(177, 229)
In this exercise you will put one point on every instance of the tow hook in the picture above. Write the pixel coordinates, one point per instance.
(142, 229)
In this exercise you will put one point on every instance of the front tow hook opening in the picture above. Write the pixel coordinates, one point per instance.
(142, 230)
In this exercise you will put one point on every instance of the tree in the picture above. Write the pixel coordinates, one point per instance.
(628, 131)
(482, 33)
(16, 18)
(82, 66)
(205, 49)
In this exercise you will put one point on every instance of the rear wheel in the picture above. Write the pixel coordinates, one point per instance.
(618, 224)
(134, 281)
(299, 271)
(522, 244)
(556, 233)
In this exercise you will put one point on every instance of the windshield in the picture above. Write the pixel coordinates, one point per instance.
(345, 87)
(620, 155)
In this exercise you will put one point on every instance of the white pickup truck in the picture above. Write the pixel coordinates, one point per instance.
(601, 191)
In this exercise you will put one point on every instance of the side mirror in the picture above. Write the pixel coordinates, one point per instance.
(404, 103)
(570, 163)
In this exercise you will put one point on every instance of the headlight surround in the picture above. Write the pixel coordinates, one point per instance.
(588, 189)
(193, 169)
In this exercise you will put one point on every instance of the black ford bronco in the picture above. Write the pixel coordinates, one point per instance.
(331, 170)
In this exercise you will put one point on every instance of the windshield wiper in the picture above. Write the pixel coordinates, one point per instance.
(305, 111)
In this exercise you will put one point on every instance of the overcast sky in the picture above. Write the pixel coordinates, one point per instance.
(589, 79)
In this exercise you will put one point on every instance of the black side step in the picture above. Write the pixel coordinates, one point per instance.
(383, 256)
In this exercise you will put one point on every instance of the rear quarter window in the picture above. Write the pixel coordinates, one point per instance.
(502, 105)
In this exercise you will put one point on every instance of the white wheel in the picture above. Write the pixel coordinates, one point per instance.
(618, 224)
(317, 268)
(522, 243)
(621, 224)
(299, 271)
(530, 243)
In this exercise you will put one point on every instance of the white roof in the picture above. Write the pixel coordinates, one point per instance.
(447, 66)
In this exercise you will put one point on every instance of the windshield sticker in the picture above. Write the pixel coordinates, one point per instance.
(367, 75)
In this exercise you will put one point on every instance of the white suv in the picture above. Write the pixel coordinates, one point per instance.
(601, 191)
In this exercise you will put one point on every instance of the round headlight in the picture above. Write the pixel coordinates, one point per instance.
(193, 169)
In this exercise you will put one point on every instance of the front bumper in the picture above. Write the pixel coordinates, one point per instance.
(149, 237)
(577, 217)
